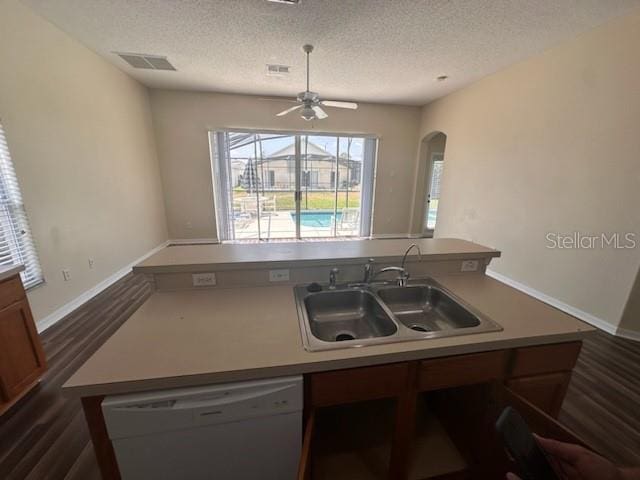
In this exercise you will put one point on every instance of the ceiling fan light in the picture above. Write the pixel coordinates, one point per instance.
(307, 113)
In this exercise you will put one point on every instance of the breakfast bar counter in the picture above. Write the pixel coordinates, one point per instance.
(199, 337)
(228, 313)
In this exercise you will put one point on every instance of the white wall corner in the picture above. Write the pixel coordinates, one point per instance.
(628, 334)
(554, 302)
(87, 295)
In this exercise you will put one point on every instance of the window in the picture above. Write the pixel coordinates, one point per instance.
(270, 185)
(306, 175)
(16, 244)
(433, 192)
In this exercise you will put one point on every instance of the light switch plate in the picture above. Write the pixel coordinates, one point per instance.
(279, 275)
(469, 266)
(203, 279)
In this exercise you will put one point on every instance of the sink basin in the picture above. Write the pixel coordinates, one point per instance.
(344, 315)
(426, 308)
(364, 314)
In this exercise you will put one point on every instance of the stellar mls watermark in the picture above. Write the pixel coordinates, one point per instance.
(579, 240)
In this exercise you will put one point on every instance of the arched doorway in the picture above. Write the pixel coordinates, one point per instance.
(428, 183)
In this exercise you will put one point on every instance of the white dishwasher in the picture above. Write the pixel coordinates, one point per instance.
(239, 431)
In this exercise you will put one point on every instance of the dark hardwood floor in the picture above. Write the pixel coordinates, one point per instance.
(603, 402)
(45, 437)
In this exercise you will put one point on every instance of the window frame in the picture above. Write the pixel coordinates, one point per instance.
(369, 176)
(16, 239)
(435, 157)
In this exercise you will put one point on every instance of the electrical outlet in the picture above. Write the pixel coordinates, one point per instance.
(66, 274)
(203, 279)
(278, 275)
(469, 266)
(91, 262)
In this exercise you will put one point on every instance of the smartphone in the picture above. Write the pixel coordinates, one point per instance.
(531, 460)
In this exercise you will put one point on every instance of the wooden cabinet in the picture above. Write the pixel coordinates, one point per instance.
(22, 360)
(431, 419)
(356, 384)
(469, 415)
(544, 391)
(423, 419)
(542, 374)
(461, 370)
(543, 359)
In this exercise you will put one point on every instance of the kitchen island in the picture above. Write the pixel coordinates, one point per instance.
(187, 336)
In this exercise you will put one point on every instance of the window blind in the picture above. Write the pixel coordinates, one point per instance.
(16, 243)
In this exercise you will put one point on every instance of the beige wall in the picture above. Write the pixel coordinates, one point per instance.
(550, 145)
(182, 120)
(81, 138)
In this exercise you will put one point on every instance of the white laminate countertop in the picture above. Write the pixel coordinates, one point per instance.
(183, 258)
(199, 337)
(7, 271)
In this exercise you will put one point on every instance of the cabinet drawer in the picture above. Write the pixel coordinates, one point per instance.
(544, 359)
(11, 291)
(355, 384)
(461, 370)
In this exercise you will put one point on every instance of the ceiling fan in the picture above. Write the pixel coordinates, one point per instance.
(310, 102)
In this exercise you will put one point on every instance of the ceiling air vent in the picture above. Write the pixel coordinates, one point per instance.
(149, 62)
(277, 70)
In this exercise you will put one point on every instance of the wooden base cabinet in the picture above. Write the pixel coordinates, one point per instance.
(424, 419)
(431, 419)
(546, 392)
(22, 360)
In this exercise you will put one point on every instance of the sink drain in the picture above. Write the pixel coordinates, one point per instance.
(418, 328)
(341, 337)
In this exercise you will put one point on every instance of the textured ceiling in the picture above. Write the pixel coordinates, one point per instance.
(368, 50)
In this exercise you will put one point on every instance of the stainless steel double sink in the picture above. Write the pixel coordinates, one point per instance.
(361, 314)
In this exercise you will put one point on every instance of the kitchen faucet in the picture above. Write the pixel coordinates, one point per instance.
(403, 276)
(333, 275)
(368, 271)
(412, 246)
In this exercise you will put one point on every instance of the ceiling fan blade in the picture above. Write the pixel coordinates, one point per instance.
(279, 99)
(288, 110)
(337, 104)
(319, 112)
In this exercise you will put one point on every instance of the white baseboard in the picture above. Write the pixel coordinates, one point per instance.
(192, 241)
(554, 302)
(84, 297)
(628, 334)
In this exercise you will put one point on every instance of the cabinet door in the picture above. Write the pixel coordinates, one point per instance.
(544, 391)
(21, 356)
(470, 413)
(304, 467)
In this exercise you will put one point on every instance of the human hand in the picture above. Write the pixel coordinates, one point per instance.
(575, 462)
